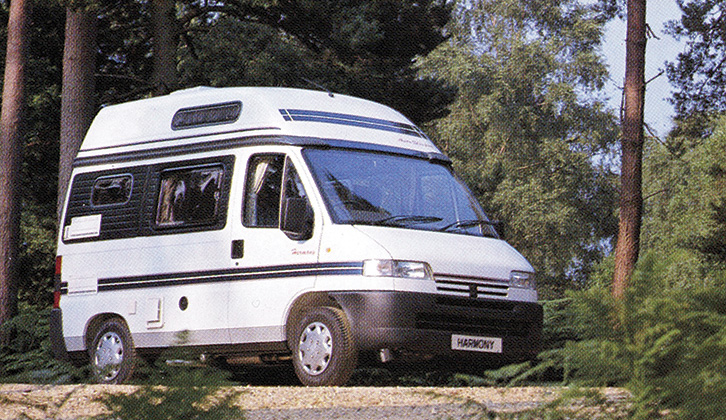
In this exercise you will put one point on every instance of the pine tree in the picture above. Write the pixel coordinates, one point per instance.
(527, 140)
(631, 195)
(11, 132)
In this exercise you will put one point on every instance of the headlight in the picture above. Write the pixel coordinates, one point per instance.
(522, 280)
(396, 268)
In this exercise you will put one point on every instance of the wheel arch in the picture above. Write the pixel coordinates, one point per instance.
(95, 323)
(304, 303)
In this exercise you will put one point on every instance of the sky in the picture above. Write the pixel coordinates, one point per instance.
(658, 111)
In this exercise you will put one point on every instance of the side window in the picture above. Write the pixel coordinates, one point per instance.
(189, 196)
(262, 191)
(270, 180)
(293, 184)
(111, 190)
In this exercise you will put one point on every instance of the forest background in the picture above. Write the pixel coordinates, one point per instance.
(512, 91)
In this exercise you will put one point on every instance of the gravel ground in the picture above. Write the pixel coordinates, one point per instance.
(300, 403)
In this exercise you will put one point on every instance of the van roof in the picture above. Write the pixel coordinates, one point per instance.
(202, 114)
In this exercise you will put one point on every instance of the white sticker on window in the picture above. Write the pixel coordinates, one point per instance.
(83, 227)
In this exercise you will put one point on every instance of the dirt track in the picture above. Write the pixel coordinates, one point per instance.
(370, 403)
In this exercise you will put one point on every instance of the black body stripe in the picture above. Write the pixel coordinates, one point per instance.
(216, 276)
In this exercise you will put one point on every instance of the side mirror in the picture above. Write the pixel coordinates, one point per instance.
(297, 219)
(498, 227)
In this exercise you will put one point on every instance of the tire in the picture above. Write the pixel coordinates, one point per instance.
(112, 354)
(323, 349)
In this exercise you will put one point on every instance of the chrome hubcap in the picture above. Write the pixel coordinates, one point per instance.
(315, 348)
(109, 356)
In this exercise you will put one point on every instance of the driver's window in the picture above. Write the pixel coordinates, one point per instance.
(293, 184)
(269, 180)
(262, 191)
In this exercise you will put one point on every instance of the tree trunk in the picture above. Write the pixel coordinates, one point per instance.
(11, 133)
(631, 198)
(78, 105)
(165, 45)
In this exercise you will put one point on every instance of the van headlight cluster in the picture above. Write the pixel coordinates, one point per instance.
(522, 280)
(397, 268)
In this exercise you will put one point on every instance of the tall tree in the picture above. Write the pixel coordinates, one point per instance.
(631, 197)
(165, 36)
(78, 105)
(684, 219)
(11, 126)
(699, 73)
(524, 136)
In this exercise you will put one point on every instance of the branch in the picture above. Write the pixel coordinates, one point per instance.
(651, 195)
(653, 134)
(655, 77)
(649, 32)
(705, 82)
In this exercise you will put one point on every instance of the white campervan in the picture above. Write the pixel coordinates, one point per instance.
(279, 224)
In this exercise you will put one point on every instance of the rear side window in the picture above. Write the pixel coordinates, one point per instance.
(189, 196)
(111, 190)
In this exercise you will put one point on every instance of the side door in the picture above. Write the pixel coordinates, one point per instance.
(186, 254)
(274, 266)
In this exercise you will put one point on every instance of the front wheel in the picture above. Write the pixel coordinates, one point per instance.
(112, 354)
(323, 350)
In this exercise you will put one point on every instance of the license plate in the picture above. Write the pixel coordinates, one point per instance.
(474, 343)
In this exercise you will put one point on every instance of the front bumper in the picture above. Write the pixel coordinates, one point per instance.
(424, 323)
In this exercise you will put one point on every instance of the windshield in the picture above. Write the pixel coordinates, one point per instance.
(391, 190)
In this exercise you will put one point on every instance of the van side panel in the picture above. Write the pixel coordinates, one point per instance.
(126, 260)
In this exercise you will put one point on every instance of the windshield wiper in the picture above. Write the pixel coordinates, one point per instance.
(404, 220)
(465, 224)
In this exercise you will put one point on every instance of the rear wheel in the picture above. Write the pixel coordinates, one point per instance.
(324, 353)
(112, 354)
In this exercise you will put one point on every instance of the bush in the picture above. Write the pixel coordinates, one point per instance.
(667, 345)
(37, 256)
(26, 356)
(177, 387)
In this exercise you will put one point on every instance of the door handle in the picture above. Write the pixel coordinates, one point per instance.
(238, 248)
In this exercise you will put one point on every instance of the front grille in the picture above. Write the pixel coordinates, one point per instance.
(503, 306)
(486, 326)
(472, 287)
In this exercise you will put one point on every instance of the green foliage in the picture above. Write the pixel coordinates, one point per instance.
(37, 255)
(528, 130)
(558, 324)
(361, 48)
(40, 159)
(699, 73)
(177, 387)
(175, 402)
(685, 213)
(26, 355)
(666, 344)
(235, 53)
